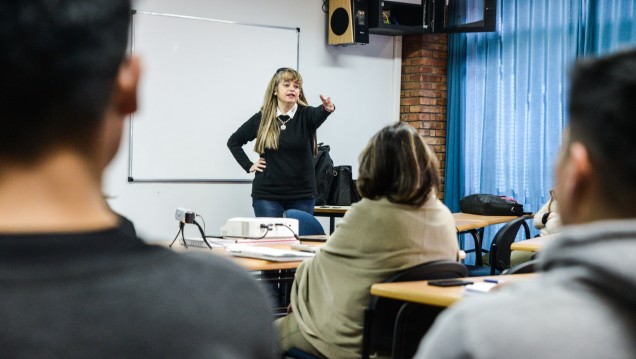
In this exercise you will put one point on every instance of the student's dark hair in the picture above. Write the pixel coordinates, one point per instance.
(59, 60)
(397, 164)
(603, 117)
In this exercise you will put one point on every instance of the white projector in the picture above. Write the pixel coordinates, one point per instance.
(260, 227)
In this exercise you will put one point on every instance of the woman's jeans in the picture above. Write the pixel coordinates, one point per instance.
(275, 208)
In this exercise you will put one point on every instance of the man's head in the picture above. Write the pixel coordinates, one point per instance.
(596, 173)
(64, 71)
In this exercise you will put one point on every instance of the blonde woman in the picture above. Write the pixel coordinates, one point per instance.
(285, 134)
(399, 223)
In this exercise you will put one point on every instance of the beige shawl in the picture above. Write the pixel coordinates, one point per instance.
(375, 239)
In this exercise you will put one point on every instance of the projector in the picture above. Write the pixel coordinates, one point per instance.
(260, 227)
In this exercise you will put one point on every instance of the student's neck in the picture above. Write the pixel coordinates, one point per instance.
(284, 107)
(60, 194)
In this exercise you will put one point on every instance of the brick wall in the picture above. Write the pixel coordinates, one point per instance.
(423, 92)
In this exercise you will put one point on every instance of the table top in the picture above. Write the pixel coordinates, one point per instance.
(331, 209)
(463, 221)
(422, 293)
(533, 244)
(467, 217)
(464, 226)
(251, 264)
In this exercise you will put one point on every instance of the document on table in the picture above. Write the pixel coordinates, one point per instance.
(270, 254)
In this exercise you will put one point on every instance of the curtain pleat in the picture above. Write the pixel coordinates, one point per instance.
(507, 94)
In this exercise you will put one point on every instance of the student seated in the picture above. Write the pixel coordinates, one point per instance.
(547, 219)
(398, 223)
(582, 303)
(76, 281)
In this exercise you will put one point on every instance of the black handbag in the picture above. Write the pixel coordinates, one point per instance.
(343, 190)
(490, 205)
(323, 166)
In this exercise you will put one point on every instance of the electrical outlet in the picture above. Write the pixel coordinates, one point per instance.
(180, 214)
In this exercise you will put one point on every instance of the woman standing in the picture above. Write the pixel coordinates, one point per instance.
(285, 134)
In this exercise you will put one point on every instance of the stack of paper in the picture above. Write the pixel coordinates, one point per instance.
(479, 287)
(267, 253)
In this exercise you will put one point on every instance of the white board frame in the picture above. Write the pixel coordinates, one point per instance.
(167, 144)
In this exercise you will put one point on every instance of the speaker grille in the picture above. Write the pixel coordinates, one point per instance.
(339, 21)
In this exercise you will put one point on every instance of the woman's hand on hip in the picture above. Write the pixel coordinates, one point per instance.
(258, 166)
(327, 104)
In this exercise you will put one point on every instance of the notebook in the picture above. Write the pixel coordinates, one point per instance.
(267, 253)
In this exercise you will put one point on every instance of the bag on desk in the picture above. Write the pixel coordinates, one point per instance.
(323, 166)
(490, 205)
(343, 189)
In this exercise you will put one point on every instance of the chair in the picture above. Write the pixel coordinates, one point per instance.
(397, 327)
(307, 223)
(530, 266)
(499, 254)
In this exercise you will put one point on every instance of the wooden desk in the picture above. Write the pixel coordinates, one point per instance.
(464, 223)
(421, 293)
(475, 224)
(332, 212)
(251, 264)
(488, 220)
(533, 244)
(273, 276)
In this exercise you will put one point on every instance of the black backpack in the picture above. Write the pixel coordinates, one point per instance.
(490, 205)
(323, 166)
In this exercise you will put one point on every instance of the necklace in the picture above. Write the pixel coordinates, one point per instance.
(283, 123)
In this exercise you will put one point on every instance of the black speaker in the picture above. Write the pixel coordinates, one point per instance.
(348, 22)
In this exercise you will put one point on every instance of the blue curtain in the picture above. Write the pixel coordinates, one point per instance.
(507, 93)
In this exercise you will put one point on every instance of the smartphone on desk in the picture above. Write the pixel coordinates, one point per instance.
(449, 282)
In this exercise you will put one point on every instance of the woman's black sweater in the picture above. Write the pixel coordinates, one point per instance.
(289, 172)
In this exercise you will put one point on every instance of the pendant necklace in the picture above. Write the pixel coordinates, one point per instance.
(283, 123)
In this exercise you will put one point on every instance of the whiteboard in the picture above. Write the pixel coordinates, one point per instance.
(201, 79)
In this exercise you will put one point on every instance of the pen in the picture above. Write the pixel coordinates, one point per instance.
(491, 281)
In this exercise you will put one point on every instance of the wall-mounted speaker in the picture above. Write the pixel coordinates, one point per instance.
(348, 22)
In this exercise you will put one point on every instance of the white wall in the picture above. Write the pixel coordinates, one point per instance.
(362, 80)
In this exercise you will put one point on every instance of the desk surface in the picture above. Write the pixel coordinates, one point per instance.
(337, 210)
(463, 221)
(422, 293)
(251, 264)
(533, 244)
(467, 217)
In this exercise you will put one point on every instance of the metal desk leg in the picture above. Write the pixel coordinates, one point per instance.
(332, 224)
(479, 261)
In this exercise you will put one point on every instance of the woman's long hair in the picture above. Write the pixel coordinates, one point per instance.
(269, 129)
(399, 165)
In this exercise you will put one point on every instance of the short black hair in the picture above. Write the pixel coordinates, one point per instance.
(59, 60)
(397, 164)
(602, 110)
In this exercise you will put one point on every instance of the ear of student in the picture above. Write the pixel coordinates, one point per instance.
(576, 183)
(126, 85)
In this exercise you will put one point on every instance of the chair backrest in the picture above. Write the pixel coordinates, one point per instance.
(525, 267)
(499, 257)
(379, 318)
(307, 224)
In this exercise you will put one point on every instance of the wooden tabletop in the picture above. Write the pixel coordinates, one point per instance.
(533, 244)
(338, 210)
(464, 226)
(422, 293)
(251, 264)
(489, 220)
